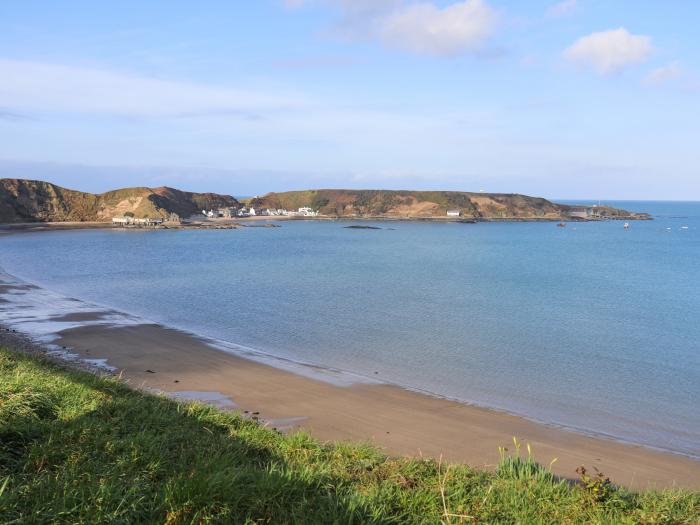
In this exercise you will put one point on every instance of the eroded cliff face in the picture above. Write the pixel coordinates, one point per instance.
(418, 204)
(36, 201)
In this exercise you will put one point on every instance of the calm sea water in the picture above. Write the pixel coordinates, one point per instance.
(591, 327)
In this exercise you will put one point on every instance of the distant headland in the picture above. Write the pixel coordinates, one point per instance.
(24, 201)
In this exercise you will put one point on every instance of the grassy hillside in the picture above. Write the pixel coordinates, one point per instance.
(417, 204)
(75, 448)
(30, 201)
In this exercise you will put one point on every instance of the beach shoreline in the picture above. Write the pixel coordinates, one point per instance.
(204, 223)
(398, 420)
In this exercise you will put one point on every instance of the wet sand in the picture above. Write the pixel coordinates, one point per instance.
(24, 227)
(399, 421)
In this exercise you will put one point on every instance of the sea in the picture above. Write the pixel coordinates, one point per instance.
(591, 327)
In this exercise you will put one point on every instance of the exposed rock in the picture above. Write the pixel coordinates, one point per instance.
(35, 201)
(426, 205)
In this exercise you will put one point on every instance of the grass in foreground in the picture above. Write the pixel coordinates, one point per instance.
(75, 448)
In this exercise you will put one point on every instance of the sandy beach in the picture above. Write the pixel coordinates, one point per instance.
(399, 421)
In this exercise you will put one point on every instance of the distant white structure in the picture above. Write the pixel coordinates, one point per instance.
(453, 213)
(583, 212)
(306, 212)
(145, 222)
(252, 212)
(228, 213)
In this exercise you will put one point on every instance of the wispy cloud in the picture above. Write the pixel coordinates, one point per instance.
(564, 8)
(418, 27)
(425, 28)
(7, 114)
(610, 51)
(664, 74)
(34, 86)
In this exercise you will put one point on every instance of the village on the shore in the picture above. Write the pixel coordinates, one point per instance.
(128, 219)
(573, 212)
(232, 213)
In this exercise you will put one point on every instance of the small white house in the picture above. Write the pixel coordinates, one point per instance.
(227, 213)
(132, 221)
(307, 212)
(252, 211)
(453, 213)
(583, 212)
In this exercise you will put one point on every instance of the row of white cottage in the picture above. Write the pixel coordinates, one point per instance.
(133, 221)
(144, 222)
(230, 213)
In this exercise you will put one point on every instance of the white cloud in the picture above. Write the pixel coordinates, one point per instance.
(36, 86)
(664, 74)
(610, 51)
(425, 28)
(564, 8)
(419, 27)
(347, 6)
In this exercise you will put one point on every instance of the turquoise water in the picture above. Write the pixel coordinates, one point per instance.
(591, 327)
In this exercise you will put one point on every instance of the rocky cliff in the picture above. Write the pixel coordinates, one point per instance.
(426, 204)
(36, 201)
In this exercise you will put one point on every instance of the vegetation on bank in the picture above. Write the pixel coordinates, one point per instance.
(427, 204)
(76, 448)
(24, 200)
(400, 203)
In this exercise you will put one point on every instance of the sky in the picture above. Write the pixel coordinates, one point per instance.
(593, 99)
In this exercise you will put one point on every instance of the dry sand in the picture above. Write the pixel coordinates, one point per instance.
(395, 419)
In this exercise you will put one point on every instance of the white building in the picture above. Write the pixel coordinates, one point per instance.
(227, 213)
(453, 213)
(583, 212)
(307, 212)
(145, 222)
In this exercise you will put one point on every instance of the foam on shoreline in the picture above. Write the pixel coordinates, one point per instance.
(332, 405)
(42, 315)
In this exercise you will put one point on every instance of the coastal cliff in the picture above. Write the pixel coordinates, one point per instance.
(24, 200)
(434, 204)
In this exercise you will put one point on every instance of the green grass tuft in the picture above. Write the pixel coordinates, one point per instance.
(76, 448)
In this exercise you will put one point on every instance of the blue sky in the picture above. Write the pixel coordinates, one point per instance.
(570, 99)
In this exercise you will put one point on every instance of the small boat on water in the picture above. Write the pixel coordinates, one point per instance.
(627, 226)
(561, 225)
(684, 227)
